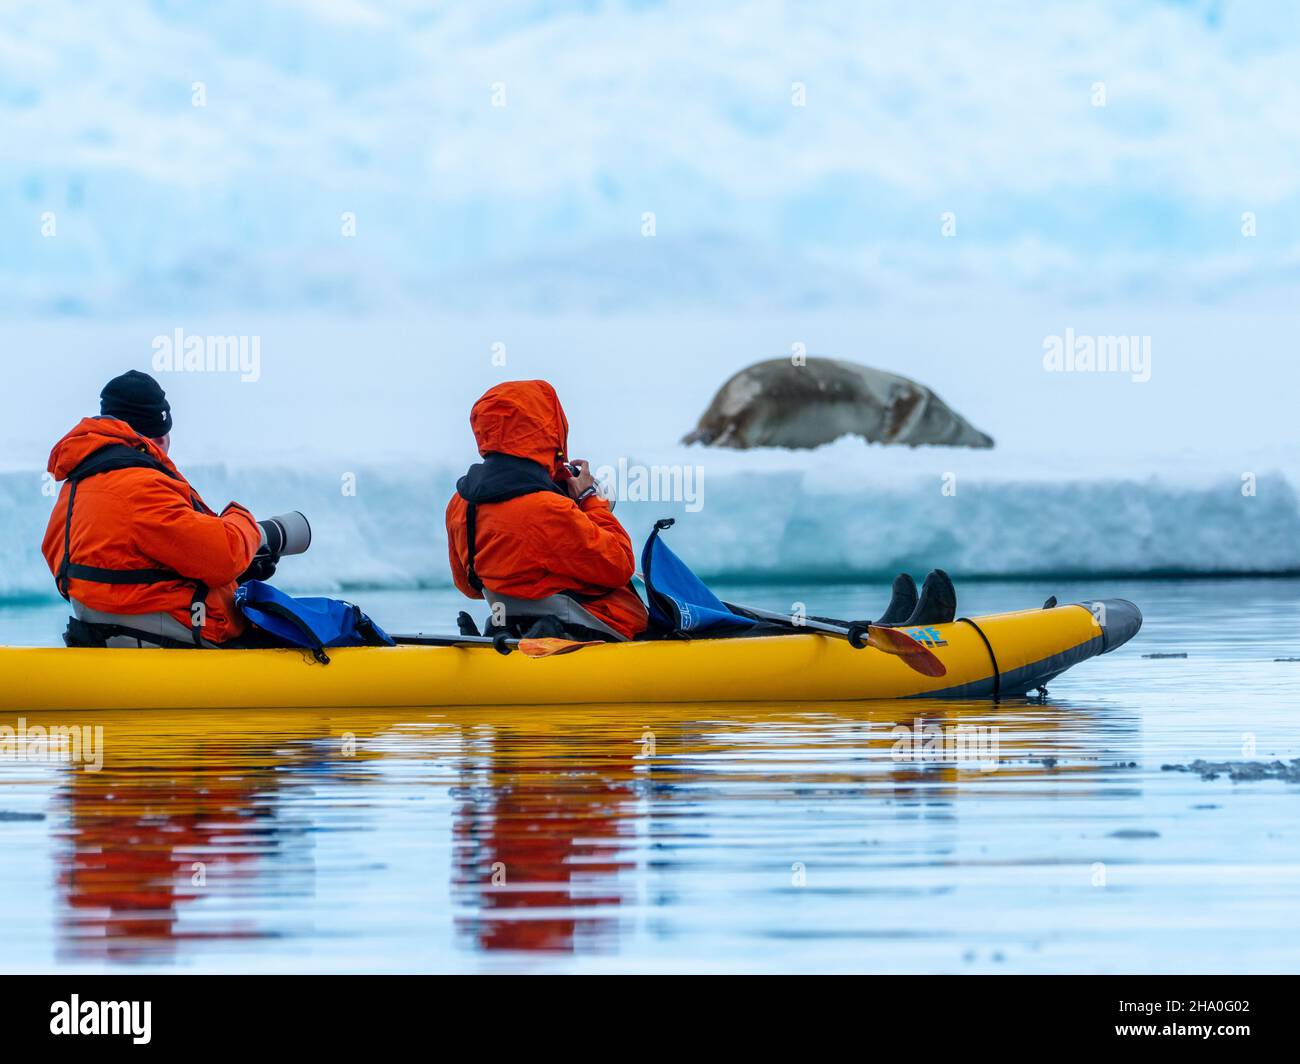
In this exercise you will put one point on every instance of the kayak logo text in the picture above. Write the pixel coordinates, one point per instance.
(929, 636)
(132, 1018)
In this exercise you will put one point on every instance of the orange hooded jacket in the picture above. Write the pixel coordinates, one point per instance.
(143, 519)
(541, 543)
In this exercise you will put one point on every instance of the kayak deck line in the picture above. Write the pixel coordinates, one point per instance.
(1002, 654)
(1024, 679)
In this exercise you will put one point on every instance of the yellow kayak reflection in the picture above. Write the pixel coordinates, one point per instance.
(547, 803)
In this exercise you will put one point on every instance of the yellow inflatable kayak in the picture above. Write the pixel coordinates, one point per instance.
(1002, 654)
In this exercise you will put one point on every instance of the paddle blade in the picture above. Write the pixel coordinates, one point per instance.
(546, 648)
(915, 655)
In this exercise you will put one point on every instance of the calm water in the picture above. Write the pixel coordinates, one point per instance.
(750, 837)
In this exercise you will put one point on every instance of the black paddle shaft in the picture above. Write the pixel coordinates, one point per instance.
(855, 632)
(501, 643)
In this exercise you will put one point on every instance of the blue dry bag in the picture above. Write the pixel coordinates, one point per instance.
(679, 601)
(310, 623)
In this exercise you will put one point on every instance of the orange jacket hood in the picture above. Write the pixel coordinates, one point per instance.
(522, 418)
(92, 434)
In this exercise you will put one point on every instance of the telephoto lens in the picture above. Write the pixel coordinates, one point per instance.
(287, 534)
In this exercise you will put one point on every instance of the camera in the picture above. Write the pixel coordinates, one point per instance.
(287, 534)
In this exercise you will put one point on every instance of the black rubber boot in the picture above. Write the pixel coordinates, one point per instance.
(938, 602)
(901, 603)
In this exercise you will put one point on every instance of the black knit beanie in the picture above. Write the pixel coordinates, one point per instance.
(139, 400)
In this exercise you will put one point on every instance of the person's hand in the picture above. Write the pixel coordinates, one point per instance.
(576, 485)
(263, 568)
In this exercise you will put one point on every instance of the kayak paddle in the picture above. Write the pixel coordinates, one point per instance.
(502, 644)
(859, 634)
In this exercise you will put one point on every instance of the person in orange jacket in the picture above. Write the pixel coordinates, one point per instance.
(529, 530)
(130, 542)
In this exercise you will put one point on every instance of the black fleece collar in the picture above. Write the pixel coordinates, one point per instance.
(504, 476)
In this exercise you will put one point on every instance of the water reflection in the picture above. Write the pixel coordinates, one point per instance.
(188, 810)
(541, 826)
(567, 830)
(561, 818)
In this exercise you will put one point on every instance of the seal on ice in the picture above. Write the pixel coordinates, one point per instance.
(780, 404)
